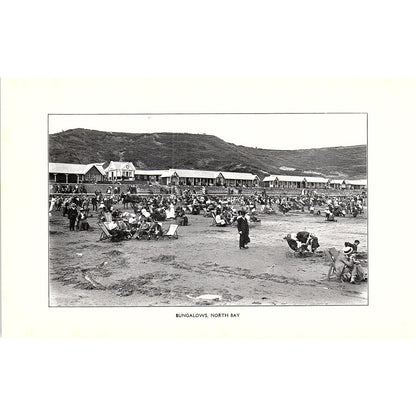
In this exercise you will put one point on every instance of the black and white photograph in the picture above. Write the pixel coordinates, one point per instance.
(208, 209)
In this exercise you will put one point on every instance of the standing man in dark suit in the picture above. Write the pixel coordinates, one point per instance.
(72, 215)
(243, 229)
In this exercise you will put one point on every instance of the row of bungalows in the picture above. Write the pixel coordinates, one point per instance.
(312, 182)
(347, 184)
(193, 177)
(117, 171)
(126, 171)
(286, 181)
(356, 184)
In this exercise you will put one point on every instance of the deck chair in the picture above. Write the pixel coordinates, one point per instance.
(172, 232)
(108, 217)
(104, 232)
(331, 254)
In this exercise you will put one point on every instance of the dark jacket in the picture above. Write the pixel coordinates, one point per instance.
(72, 213)
(302, 236)
(242, 224)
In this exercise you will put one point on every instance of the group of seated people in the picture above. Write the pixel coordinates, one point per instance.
(126, 225)
(68, 188)
(163, 207)
(141, 223)
(302, 242)
(333, 211)
(226, 214)
(347, 267)
(330, 215)
(162, 214)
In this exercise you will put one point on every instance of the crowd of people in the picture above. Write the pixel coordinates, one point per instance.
(67, 188)
(80, 188)
(233, 209)
(316, 204)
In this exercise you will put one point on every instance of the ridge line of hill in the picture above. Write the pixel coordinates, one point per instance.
(203, 151)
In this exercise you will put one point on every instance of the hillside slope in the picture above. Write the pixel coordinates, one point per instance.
(200, 151)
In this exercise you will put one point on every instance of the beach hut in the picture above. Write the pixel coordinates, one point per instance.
(76, 173)
(356, 184)
(192, 177)
(337, 183)
(240, 179)
(284, 181)
(316, 182)
(152, 176)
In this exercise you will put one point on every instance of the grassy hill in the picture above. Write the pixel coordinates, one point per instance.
(201, 151)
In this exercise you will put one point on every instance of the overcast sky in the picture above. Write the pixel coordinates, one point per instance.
(269, 131)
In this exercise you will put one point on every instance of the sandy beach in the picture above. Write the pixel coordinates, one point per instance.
(204, 266)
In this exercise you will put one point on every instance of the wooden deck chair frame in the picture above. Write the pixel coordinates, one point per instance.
(105, 234)
(332, 255)
(172, 232)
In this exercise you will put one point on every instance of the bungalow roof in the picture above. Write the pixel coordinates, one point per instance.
(239, 175)
(149, 172)
(190, 173)
(316, 179)
(357, 182)
(73, 168)
(120, 166)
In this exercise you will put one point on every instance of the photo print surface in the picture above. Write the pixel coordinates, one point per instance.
(227, 209)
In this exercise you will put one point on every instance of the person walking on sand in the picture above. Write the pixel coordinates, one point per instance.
(243, 229)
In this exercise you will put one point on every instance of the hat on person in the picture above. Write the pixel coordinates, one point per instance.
(348, 250)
